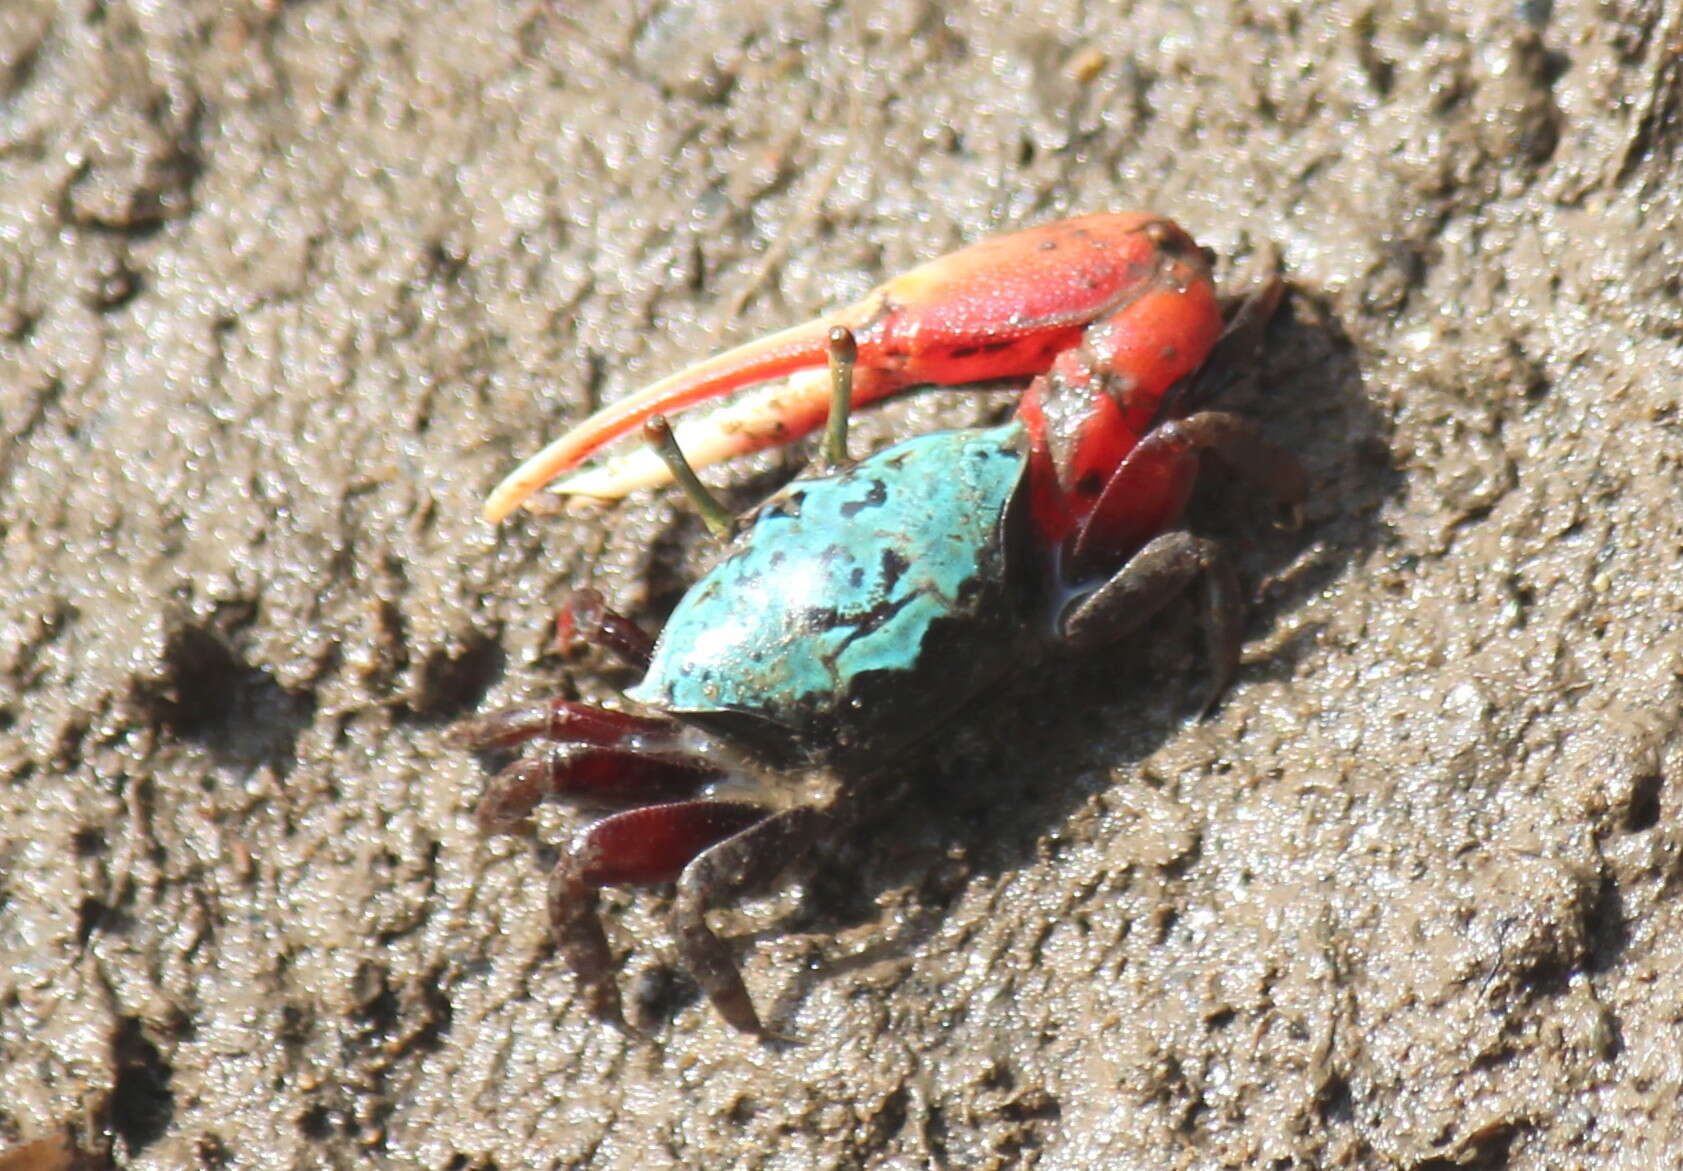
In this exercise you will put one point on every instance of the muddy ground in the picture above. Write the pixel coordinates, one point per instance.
(285, 287)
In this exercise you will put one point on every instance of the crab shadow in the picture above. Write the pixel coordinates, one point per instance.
(985, 797)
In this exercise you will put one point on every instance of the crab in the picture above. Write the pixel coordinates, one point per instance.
(860, 607)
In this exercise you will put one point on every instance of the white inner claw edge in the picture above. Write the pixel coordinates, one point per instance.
(762, 418)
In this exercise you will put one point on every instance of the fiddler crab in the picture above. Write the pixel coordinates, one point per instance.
(861, 606)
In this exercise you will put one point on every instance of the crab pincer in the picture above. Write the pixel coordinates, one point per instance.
(999, 309)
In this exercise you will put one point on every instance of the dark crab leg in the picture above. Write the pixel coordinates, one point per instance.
(640, 847)
(562, 720)
(1145, 495)
(1150, 580)
(1149, 488)
(586, 618)
(603, 776)
(1233, 357)
(734, 867)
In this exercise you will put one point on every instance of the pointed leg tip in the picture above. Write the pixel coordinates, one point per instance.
(747, 1022)
(603, 1001)
(1205, 709)
(468, 733)
(493, 817)
(1219, 687)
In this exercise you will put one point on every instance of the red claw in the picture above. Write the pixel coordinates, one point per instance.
(1004, 308)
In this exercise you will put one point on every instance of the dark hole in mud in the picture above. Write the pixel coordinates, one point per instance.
(90, 916)
(316, 1124)
(445, 261)
(742, 1111)
(1643, 811)
(1030, 1105)
(297, 1022)
(1484, 1150)
(142, 1103)
(454, 685)
(1219, 1019)
(435, 1003)
(378, 1005)
(461, 1162)
(1606, 926)
(1334, 1101)
(659, 993)
(890, 1119)
(213, 698)
(381, 1013)
(212, 1151)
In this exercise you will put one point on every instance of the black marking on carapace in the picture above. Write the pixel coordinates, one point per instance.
(893, 565)
(788, 505)
(875, 497)
(868, 623)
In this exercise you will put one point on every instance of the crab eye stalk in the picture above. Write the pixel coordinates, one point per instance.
(843, 352)
(719, 519)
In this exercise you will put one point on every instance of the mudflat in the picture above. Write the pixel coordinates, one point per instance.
(286, 287)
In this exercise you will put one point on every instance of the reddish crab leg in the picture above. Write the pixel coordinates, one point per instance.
(562, 720)
(999, 309)
(592, 774)
(638, 847)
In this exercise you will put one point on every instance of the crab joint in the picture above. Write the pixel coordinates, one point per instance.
(719, 520)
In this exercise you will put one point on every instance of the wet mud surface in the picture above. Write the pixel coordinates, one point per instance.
(284, 289)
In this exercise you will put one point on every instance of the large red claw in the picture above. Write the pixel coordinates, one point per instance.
(999, 309)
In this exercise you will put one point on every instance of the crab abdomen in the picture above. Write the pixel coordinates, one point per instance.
(858, 607)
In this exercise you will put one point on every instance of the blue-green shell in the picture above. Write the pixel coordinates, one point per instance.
(858, 607)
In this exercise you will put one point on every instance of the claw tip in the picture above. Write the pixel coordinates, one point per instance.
(504, 499)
